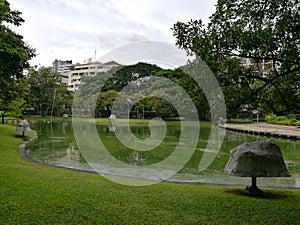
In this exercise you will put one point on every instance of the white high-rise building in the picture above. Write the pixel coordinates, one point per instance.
(62, 67)
(87, 69)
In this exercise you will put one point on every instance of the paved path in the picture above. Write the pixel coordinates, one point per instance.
(266, 129)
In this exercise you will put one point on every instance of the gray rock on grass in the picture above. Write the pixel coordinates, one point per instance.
(256, 159)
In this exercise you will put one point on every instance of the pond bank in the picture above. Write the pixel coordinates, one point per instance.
(273, 130)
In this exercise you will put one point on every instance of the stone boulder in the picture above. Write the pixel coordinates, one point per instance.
(257, 159)
(23, 127)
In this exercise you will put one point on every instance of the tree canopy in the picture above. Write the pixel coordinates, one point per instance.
(104, 87)
(14, 57)
(125, 75)
(46, 91)
(149, 97)
(252, 47)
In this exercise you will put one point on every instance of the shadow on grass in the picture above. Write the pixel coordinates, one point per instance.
(264, 195)
(24, 138)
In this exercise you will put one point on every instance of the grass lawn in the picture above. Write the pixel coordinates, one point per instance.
(37, 194)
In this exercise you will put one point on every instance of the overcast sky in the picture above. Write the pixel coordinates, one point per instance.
(73, 29)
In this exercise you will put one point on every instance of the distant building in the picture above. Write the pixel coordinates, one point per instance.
(263, 67)
(59, 66)
(87, 69)
(111, 64)
(62, 67)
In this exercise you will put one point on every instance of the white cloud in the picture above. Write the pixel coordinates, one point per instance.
(70, 29)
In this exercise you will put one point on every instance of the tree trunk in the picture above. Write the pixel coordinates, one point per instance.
(2, 116)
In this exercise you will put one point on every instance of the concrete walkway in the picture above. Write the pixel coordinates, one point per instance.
(266, 129)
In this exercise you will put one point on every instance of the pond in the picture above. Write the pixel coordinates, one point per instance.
(56, 145)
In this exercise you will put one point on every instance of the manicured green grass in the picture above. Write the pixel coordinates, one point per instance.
(37, 194)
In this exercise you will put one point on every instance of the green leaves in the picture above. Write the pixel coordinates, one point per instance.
(8, 16)
(46, 89)
(266, 33)
(14, 56)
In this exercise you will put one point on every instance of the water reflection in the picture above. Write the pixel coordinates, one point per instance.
(56, 145)
(112, 129)
(138, 159)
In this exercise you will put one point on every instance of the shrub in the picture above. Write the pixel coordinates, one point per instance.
(240, 121)
(281, 118)
(282, 122)
(270, 118)
(14, 114)
(174, 119)
(297, 123)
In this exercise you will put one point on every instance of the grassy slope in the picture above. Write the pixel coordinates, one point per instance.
(36, 194)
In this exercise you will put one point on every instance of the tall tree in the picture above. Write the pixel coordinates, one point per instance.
(47, 92)
(14, 56)
(264, 34)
